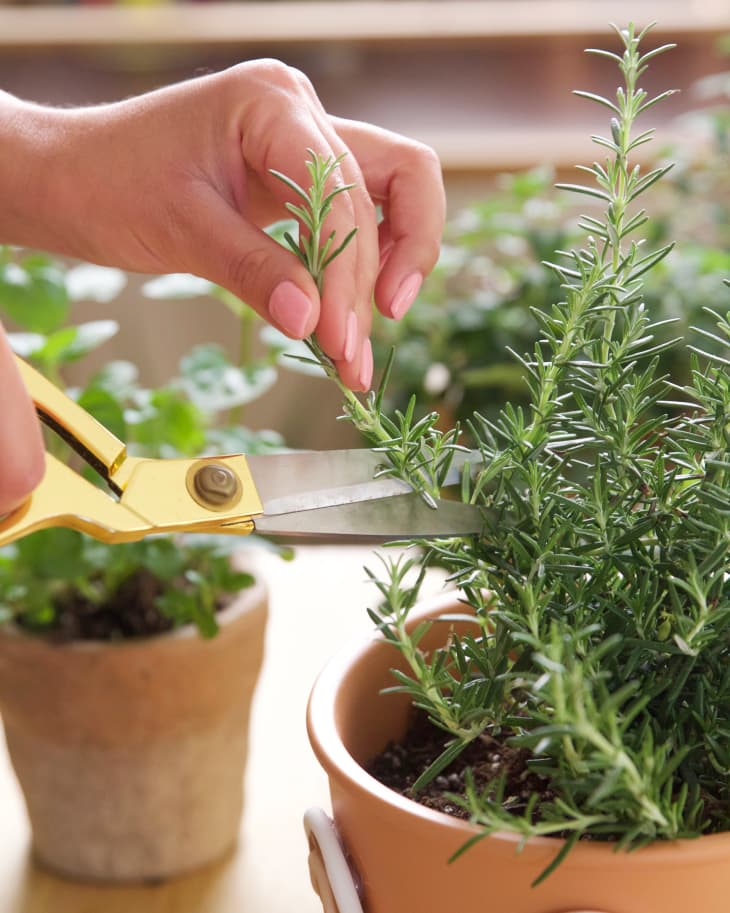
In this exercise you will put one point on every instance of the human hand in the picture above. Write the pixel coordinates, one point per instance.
(179, 180)
(21, 445)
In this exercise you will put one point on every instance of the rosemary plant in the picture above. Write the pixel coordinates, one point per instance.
(599, 585)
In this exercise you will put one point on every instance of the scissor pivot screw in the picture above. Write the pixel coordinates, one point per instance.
(215, 486)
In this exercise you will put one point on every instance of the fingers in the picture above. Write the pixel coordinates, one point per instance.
(22, 456)
(346, 298)
(346, 316)
(280, 119)
(282, 144)
(405, 177)
(232, 252)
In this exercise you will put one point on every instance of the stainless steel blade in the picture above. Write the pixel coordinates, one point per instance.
(330, 497)
(280, 475)
(309, 480)
(404, 516)
(313, 479)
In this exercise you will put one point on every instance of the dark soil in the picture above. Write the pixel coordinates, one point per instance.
(400, 764)
(130, 612)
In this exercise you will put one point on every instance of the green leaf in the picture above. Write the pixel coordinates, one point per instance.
(33, 294)
(167, 425)
(291, 184)
(588, 191)
(557, 859)
(52, 553)
(591, 96)
(165, 558)
(105, 408)
(447, 756)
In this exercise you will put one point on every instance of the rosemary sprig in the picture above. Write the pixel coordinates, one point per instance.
(314, 252)
(412, 449)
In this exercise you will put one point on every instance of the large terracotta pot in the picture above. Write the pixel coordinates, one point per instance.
(387, 854)
(131, 755)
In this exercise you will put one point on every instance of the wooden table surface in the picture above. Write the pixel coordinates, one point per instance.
(318, 603)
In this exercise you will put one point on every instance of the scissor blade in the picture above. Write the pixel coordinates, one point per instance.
(312, 479)
(278, 475)
(404, 516)
(309, 480)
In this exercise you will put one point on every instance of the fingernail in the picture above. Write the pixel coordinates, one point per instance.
(366, 365)
(350, 337)
(290, 308)
(406, 295)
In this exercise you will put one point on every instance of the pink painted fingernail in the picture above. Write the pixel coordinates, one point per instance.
(366, 365)
(290, 308)
(406, 295)
(350, 337)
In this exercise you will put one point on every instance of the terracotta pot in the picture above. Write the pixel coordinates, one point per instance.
(131, 755)
(392, 853)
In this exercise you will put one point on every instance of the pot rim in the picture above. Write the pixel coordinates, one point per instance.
(238, 606)
(341, 766)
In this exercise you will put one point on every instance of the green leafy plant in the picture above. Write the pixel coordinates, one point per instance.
(598, 589)
(68, 585)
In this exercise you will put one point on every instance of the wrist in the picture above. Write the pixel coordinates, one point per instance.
(23, 167)
(34, 153)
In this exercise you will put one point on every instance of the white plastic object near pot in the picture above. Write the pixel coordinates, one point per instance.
(331, 874)
(329, 870)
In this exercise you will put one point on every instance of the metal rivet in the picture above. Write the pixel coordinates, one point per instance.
(216, 486)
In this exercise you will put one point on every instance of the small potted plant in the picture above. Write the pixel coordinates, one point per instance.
(127, 671)
(552, 737)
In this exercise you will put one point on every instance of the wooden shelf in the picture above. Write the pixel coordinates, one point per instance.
(512, 149)
(296, 23)
(487, 83)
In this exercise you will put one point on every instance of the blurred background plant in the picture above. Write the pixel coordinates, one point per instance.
(69, 585)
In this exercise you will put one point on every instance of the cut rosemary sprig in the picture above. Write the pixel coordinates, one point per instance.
(412, 449)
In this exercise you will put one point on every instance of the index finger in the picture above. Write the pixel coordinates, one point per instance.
(404, 176)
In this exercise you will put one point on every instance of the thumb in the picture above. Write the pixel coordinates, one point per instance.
(257, 269)
(22, 455)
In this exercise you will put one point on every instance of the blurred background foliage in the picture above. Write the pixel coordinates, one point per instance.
(452, 346)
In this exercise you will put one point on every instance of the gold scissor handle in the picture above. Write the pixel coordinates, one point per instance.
(156, 500)
(102, 450)
(64, 498)
(212, 494)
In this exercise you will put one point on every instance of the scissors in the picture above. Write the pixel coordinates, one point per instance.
(331, 495)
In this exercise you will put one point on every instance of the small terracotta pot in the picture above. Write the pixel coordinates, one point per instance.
(131, 755)
(394, 852)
